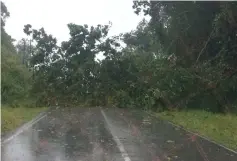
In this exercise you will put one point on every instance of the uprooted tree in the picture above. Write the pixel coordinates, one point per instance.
(185, 56)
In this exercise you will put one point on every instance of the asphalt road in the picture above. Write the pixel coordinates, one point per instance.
(96, 134)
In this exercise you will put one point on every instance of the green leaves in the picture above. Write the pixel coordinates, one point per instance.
(15, 83)
(4, 14)
(27, 29)
(71, 68)
(185, 52)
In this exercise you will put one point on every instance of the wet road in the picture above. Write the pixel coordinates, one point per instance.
(83, 134)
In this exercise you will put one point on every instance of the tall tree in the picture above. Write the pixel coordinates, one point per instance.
(15, 77)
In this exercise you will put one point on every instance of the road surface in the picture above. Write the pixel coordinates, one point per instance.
(96, 134)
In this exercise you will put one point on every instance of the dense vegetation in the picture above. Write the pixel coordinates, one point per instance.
(16, 81)
(185, 56)
(15, 77)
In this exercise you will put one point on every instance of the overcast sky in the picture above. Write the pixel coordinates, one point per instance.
(54, 15)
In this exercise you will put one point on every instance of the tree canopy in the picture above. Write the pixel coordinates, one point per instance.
(15, 80)
(183, 57)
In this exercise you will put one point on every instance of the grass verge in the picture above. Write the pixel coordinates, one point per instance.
(218, 127)
(14, 117)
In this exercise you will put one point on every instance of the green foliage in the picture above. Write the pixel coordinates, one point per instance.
(4, 14)
(11, 121)
(183, 57)
(194, 34)
(15, 77)
(24, 51)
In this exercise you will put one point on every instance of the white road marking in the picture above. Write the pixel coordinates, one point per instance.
(116, 139)
(26, 126)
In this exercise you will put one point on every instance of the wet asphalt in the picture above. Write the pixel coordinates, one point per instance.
(99, 134)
